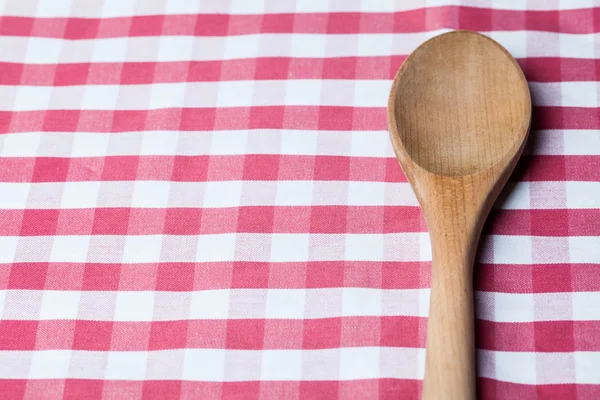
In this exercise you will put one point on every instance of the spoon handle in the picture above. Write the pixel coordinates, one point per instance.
(450, 352)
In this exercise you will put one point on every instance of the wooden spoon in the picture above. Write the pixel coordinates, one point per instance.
(459, 113)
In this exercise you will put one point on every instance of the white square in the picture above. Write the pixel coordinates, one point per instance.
(229, 142)
(285, 303)
(118, 8)
(375, 45)
(377, 6)
(165, 364)
(210, 304)
(364, 247)
(361, 302)
(141, 249)
(134, 306)
(222, 194)
(109, 50)
(299, 142)
(235, 94)
(43, 50)
(308, 45)
(32, 98)
(290, 193)
(281, 365)
(218, 247)
(311, 6)
(576, 45)
(87, 364)
(513, 307)
(514, 196)
(8, 248)
(302, 92)
(258, 193)
(512, 249)
(49, 364)
(586, 367)
(89, 144)
(583, 194)
(150, 194)
(19, 144)
(181, 7)
(126, 365)
(584, 249)
(70, 248)
(167, 95)
(359, 363)
(330, 193)
(585, 306)
(371, 93)
(80, 195)
(366, 193)
(577, 142)
(204, 365)
(512, 4)
(574, 4)
(553, 306)
(246, 7)
(60, 304)
(579, 94)
(289, 247)
(244, 46)
(516, 367)
(100, 97)
(159, 143)
(513, 41)
(370, 144)
(323, 303)
(175, 48)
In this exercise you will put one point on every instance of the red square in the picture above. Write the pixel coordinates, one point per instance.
(175, 276)
(64, 276)
(38, 74)
(548, 278)
(403, 219)
(362, 274)
(71, 74)
(120, 168)
(549, 222)
(393, 171)
(104, 73)
(197, 119)
(369, 118)
(272, 68)
(147, 221)
(287, 275)
(138, 276)
(101, 276)
(328, 219)
(554, 336)
(324, 274)
(50, 169)
(155, 168)
(219, 220)
(335, 118)
(305, 117)
(383, 22)
(11, 73)
(235, 70)
(53, 334)
(261, 167)
(129, 120)
(546, 168)
(16, 26)
(256, 219)
(212, 24)
(61, 120)
(322, 333)
(170, 72)
(283, 334)
(183, 221)
(39, 222)
(402, 275)
(250, 275)
(146, 25)
(402, 331)
(168, 335)
(296, 167)
(130, 336)
(179, 25)
(214, 275)
(368, 169)
(111, 221)
(95, 120)
(277, 23)
(30, 276)
(508, 222)
(190, 168)
(137, 73)
(562, 391)
(266, 117)
(247, 334)
(373, 68)
(92, 335)
(76, 389)
(18, 335)
(118, 390)
(14, 388)
(400, 389)
(339, 22)
(17, 169)
(241, 390)
(81, 28)
(291, 219)
(319, 390)
(339, 68)
(6, 119)
(332, 168)
(160, 390)
(582, 168)
(207, 333)
(415, 20)
(548, 21)
(475, 18)
(225, 168)
(204, 71)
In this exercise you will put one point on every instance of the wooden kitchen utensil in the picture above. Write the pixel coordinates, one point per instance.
(459, 113)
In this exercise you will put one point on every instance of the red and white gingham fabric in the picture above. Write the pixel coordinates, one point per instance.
(198, 199)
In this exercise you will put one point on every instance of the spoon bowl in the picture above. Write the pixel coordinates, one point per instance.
(459, 113)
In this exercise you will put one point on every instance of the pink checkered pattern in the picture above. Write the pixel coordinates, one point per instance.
(198, 199)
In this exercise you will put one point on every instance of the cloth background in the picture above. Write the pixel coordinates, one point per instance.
(198, 199)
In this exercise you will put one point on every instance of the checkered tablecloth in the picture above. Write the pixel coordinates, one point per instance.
(199, 200)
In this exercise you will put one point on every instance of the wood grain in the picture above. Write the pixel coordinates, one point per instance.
(459, 113)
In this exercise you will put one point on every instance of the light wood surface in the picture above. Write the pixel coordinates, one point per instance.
(459, 114)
